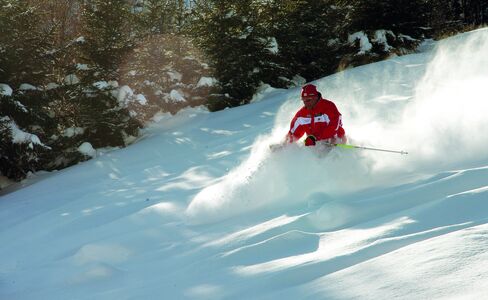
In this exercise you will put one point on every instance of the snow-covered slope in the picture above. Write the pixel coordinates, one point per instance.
(200, 209)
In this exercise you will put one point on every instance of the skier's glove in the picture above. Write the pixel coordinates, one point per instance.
(310, 140)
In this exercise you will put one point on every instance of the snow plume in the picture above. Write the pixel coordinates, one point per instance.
(227, 197)
(429, 104)
(451, 105)
(279, 180)
(260, 174)
(445, 115)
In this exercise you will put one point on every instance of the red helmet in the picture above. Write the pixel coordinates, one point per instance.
(309, 90)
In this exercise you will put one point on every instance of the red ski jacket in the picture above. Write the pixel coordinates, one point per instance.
(324, 122)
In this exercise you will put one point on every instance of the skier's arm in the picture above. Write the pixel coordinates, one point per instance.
(296, 130)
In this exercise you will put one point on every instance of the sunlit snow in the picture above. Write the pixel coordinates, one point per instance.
(200, 208)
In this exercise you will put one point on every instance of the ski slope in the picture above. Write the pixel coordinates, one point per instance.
(200, 209)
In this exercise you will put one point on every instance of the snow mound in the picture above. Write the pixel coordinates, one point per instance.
(87, 149)
(5, 90)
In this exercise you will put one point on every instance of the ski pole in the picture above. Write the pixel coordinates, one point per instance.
(346, 146)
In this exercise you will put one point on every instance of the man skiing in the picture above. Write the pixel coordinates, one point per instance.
(319, 119)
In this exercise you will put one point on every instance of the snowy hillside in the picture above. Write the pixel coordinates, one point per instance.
(200, 209)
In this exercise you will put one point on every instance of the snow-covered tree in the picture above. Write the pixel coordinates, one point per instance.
(156, 16)
(109, 35)
(238, 44)
(309, 35)
(379, 29)
(50, 103)
(21, 148)
(24, 44)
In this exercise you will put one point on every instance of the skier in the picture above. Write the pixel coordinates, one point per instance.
(319, 119)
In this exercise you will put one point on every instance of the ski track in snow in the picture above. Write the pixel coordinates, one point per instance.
(201, 209)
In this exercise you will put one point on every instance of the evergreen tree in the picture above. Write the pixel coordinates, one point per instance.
(449, 17)
(379, 29)
(233, 36)
(53, 123)
(474, 11)
(42, 127)
(104, 121)
(399, 16)
(28, 54)
(157, 16)
(108, 32)
(109, 37)
(22, 147)
(24, 43)
(310, 35)
(17, 158)
(165, 61)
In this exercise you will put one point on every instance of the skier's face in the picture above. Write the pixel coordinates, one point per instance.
(309, 101)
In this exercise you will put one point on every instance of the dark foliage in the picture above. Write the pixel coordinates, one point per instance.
(310, 35)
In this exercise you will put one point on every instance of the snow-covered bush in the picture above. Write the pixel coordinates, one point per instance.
(43, 129)
(21, 148)
(373, 45)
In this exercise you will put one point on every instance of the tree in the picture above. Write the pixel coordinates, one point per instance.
(310, 35)
(25, 45)
(235, 39)
(380, 29)
(108, 34)
(156, 16)
(399, 16)
(21, 148)
(164, 61)
(43, 124)
(474, 11)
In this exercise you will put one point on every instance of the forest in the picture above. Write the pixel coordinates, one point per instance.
(89, 74)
